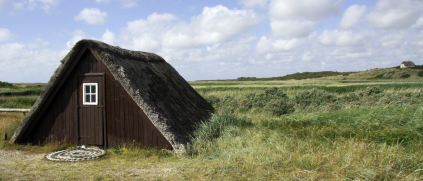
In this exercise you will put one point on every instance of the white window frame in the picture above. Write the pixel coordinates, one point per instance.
(84, 93)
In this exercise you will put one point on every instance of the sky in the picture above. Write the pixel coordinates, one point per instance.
(215, 39)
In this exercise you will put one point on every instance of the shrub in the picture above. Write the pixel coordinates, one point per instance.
(213, 100)
(5, 84)
(350, 97)
(420, 74)
(314, 96)
(279, 107)
(273, 100)
(377, 76)
(405, 76)
(218, 124)
(372, 91)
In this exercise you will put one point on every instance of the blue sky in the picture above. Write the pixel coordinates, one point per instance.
(212, 39)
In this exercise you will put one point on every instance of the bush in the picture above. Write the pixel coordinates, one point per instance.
(273, 100)
(420, 74)
(213, 100)
(5, 84)
(315, 96)
(218, 124)
(405, 76)
(372, 91)
(377, 77)
(350, 97)
(279, 107)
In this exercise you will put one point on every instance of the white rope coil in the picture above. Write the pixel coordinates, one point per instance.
(78, 154)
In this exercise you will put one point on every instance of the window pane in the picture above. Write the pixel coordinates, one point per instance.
(87, 98)
(87, 89)
(93, 98)
(93, 89)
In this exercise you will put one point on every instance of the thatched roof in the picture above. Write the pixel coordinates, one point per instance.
(408, 64)
(172, 105)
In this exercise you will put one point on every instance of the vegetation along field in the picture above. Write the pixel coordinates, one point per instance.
(333, 127)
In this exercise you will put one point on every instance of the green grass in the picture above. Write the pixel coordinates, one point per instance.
(8, 89)
(334, 89)
(376, 77)
(17, 102)
(405, 76)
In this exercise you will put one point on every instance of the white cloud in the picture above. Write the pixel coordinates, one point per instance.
(129, 3)
(92, 16)
(292, 28)
(5, 34)
(108, 37)
(303, 9)
(352, 16)
(253, 3)
(215, 25)
(417, 40)
(146, 34)
(77, 35)
(344, 38)
(271, 45)
(32, 65)
(296, 19)
(32, 5)
(2, 3)
(419, 22)
(38, 43)
(392, 14)
(393, 40)
(102, 1)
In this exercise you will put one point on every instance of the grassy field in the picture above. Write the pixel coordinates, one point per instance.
(318, 129)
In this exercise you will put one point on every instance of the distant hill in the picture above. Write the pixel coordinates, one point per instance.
(373, 74)
(386, 73)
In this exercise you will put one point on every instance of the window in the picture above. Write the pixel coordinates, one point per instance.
(90, 93)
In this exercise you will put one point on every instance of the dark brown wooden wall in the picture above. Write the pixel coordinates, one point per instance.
(125, 121)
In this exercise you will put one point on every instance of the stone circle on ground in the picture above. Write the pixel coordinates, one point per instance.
(78, 154)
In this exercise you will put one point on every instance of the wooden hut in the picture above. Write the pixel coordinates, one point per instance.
(105, 95)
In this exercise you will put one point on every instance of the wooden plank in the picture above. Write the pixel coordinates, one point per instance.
(118, 115)
(135, 120)
(146, 135)
(110, 109)
(122, 117)
(13, 110)
(155, 140)
(127, 129)
(140, 127)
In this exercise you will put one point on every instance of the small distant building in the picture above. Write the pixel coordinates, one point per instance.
(407, 64)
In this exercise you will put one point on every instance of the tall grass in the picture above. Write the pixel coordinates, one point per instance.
(333, 89)
(366, 134)
(30, 92)
(380, 143)
(8, 124)
(277, 102)
(17, 102)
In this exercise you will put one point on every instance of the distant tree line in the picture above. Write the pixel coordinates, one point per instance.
(5, 84)
(298, 76)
